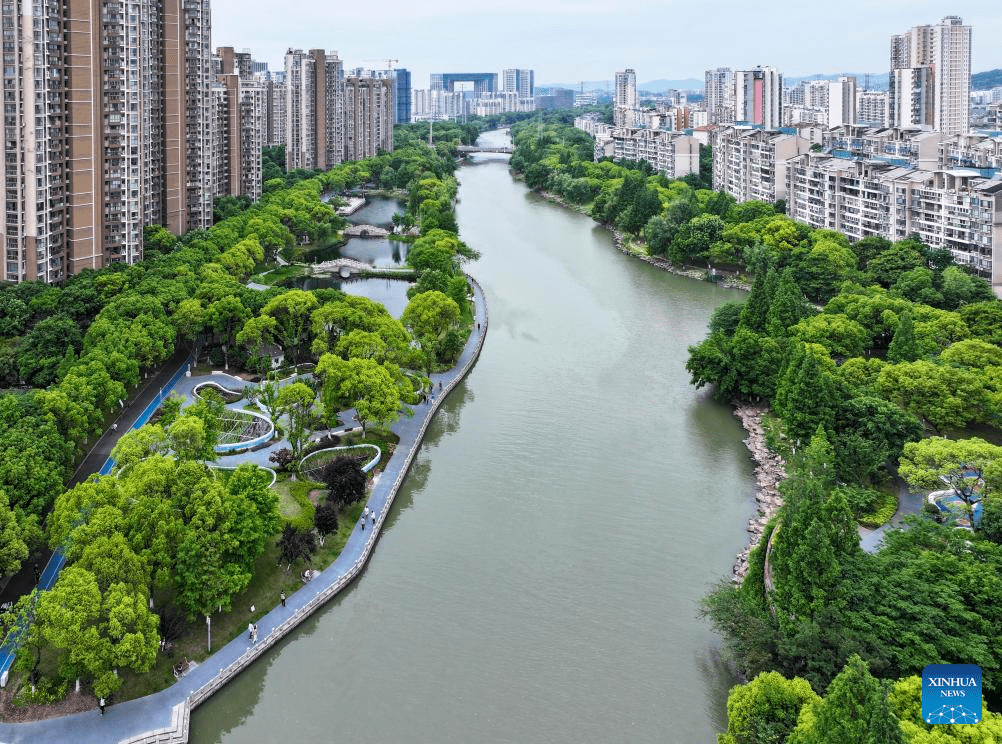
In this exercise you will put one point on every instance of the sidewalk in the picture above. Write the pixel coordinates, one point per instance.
(163, 717)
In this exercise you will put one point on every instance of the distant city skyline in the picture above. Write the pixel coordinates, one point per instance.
(566, 41)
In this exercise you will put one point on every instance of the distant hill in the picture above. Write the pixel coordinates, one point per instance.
(654, 86)
(877, 81)
(660, 86)
(986, 80)
(873, 80)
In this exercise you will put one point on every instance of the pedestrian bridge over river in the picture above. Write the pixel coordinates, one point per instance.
(467, 149)
(348, 267)
(366, 231)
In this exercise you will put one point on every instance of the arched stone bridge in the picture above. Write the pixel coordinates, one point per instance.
(348, 267)
(365, 231)
(343, 267)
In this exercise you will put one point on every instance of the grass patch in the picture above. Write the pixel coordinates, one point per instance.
(280, 274)
(881, 514)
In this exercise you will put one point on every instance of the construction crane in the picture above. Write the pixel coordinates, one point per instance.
(389, 62)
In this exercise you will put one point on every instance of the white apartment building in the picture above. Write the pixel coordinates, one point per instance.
(625, 110)
(275, 117)
(842, 101)
(871, 108)
(930, 80)
(751, 163)
(520, 82)
(318, 112)
(592, 124)
(435, 105)
(758, 97)
(907, 147)
(719, 95)
(671, 153)
(504, 102)
(954, 209)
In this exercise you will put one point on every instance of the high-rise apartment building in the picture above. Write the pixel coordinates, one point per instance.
(369, 114)
(626, 89)
(625, 112)
(758, 97)
(107, 114)
(35, 143)
(930, 79)
(520, 82)
(275, 111)
(315, 109)
(111, 124)
(240, 124)
(719, 95)
(842, 101)
(402, 96)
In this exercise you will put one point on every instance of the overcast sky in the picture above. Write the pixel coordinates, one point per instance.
(571, 40)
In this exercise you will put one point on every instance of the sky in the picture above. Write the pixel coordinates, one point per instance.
(571, 40)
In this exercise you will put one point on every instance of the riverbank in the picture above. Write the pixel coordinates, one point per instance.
(622, 245)
(770, 470)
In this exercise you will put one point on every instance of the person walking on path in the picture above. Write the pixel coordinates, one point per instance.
(282, 595)
(250, 631)
(373, 515)
(100, 704)
(254, 633)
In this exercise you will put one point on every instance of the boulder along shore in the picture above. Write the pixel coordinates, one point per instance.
(770, 469)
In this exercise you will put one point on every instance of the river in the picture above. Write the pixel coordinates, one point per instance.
(539, 576)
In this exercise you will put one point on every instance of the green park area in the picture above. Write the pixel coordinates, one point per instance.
(168, 538)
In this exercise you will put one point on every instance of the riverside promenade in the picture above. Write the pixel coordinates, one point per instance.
(162, 718)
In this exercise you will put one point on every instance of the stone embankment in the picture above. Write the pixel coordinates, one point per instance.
(770, 469)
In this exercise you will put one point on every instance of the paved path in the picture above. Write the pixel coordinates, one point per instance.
(148, 391)
(163, 717)
(908, 503)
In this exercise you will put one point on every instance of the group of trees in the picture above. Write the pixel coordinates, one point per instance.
(857, 707)
(930, 595)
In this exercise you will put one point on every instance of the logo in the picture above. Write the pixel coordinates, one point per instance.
(951, 693)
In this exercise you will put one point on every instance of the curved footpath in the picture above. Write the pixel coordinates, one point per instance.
(162, 718)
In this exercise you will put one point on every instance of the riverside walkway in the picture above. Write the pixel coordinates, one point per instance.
(162, 718)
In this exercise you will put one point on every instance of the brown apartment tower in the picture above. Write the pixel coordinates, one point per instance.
(106, 122)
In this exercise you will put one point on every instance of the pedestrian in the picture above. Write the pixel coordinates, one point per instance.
(439, 386)
(250, 631)
(478, 327)
(363, 524)
(373, 515)
(254, 634)
(100, 704)
(114, 427)
(282, 595)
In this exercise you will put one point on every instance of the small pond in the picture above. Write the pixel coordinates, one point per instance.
(391, 293)
(377, 211)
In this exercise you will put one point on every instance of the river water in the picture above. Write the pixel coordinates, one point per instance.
(538, 578)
